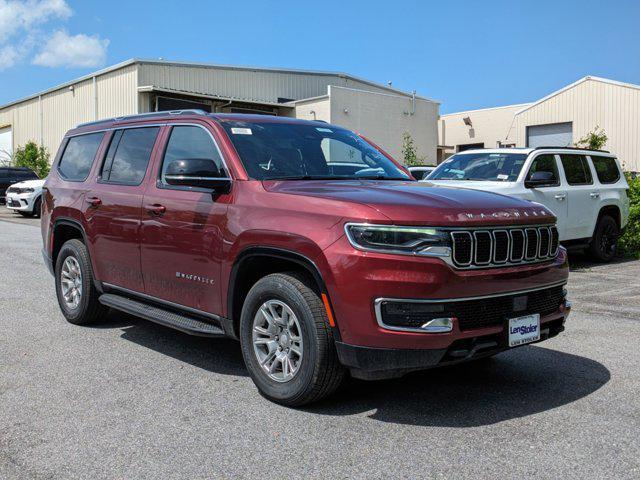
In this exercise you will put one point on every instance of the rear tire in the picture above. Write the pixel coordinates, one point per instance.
(297, 335)
(603, 244)
(77, 294)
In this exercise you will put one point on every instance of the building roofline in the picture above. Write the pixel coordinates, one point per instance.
(575, 84)
(486, 109)
(141, 61)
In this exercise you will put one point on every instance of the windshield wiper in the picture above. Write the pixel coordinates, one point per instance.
(378, 177)
(306, 177)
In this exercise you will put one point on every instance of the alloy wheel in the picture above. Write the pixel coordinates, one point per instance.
(277, 340)
(71, 282)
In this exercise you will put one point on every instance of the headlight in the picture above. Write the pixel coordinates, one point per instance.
(406, 240)
(27, 190)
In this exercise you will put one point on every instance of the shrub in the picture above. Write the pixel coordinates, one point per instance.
(629, 243)
(594, 140)
(409, 152)
(34, 157)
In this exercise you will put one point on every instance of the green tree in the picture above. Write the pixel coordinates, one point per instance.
(409, 152)
(594, 140)
(34, 157)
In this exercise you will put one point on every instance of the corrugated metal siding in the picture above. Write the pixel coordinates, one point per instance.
(117, 93)
(63, 109)
(615, 108)
(251, 85)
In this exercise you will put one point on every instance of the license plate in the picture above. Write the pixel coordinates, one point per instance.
(524, 329)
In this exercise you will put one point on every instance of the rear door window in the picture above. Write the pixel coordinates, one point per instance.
(576, 169)
(606, 169)
(78, 156)
(128, 156)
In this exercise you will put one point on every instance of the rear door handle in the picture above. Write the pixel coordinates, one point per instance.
(156, 209)
(560, 196)
(94, 201)
(594, 194)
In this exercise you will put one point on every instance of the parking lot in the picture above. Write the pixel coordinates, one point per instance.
(131, 399)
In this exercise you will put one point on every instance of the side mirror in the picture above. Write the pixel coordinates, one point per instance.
(540, 179)
(197, 172)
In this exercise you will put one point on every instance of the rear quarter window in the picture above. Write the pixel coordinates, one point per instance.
(606, 169)
(78, 156)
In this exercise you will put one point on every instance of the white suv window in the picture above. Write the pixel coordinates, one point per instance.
(606, 169)
(576, 169)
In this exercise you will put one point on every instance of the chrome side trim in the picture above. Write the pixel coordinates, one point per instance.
(377, 304)
(163, 302)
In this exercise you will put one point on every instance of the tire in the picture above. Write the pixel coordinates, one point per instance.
(36, 207)
(84, 308)
(317, 372)
(605, 236)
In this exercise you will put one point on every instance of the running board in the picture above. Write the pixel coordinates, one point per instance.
(168, 318)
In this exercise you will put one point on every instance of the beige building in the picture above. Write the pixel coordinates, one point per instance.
(138, 86)
(559, 119)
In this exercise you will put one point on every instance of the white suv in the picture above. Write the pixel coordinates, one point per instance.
(25, 197)
(586, 189)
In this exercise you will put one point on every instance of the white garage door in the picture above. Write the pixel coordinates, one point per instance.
(6, 147)
(551, 135)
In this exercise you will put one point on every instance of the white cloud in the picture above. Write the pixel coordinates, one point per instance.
(81, 51)
(22, 15)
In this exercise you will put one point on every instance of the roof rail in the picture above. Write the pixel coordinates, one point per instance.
(137, 116)
(549, 147)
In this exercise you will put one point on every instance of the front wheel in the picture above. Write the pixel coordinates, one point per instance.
(287, 343)
(604, 242)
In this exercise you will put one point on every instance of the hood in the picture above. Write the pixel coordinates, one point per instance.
(29, 184)
(421, 203)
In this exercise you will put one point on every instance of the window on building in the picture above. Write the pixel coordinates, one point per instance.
(576, 169)
(78, 156)
(544, 163)
(188, 142)
(129, 155)
(606, 169)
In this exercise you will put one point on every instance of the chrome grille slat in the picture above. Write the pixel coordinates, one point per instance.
(483, 248)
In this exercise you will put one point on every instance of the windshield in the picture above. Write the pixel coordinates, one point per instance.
(493, 167)
(306, 151)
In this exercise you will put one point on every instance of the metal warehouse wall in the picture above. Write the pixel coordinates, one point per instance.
(247, 84)
(384, 118)
(489, 126)
(47, 118)
(612, 106)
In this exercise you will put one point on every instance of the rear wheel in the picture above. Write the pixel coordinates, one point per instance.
(604, 242)
(287, 343)
(77, 295)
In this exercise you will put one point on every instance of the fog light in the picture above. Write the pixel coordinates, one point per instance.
(438, 325)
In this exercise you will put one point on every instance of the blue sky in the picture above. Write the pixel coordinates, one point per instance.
(466, 54)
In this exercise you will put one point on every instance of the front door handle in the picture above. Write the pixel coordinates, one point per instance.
(95, 202)
(594, 194)
(560, 196)
(156, 209)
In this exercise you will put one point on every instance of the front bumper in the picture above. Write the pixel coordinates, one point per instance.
(21, 202)
(356, 279)
(371, 363)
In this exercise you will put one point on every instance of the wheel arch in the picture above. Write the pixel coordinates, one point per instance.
(254, 263)
(612, 211)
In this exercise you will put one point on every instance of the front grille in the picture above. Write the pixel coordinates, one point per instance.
(483, 248)
(479, 313)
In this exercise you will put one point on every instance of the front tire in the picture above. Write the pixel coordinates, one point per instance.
(287, 343)
(76, 292)
(603, 244)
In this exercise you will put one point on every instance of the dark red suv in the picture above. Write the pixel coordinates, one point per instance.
(303, 240)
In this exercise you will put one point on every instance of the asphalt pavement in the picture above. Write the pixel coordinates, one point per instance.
(133, 400)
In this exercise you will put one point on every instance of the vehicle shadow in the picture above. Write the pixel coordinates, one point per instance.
(581, 261)
(217, 355)
(517, 383)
